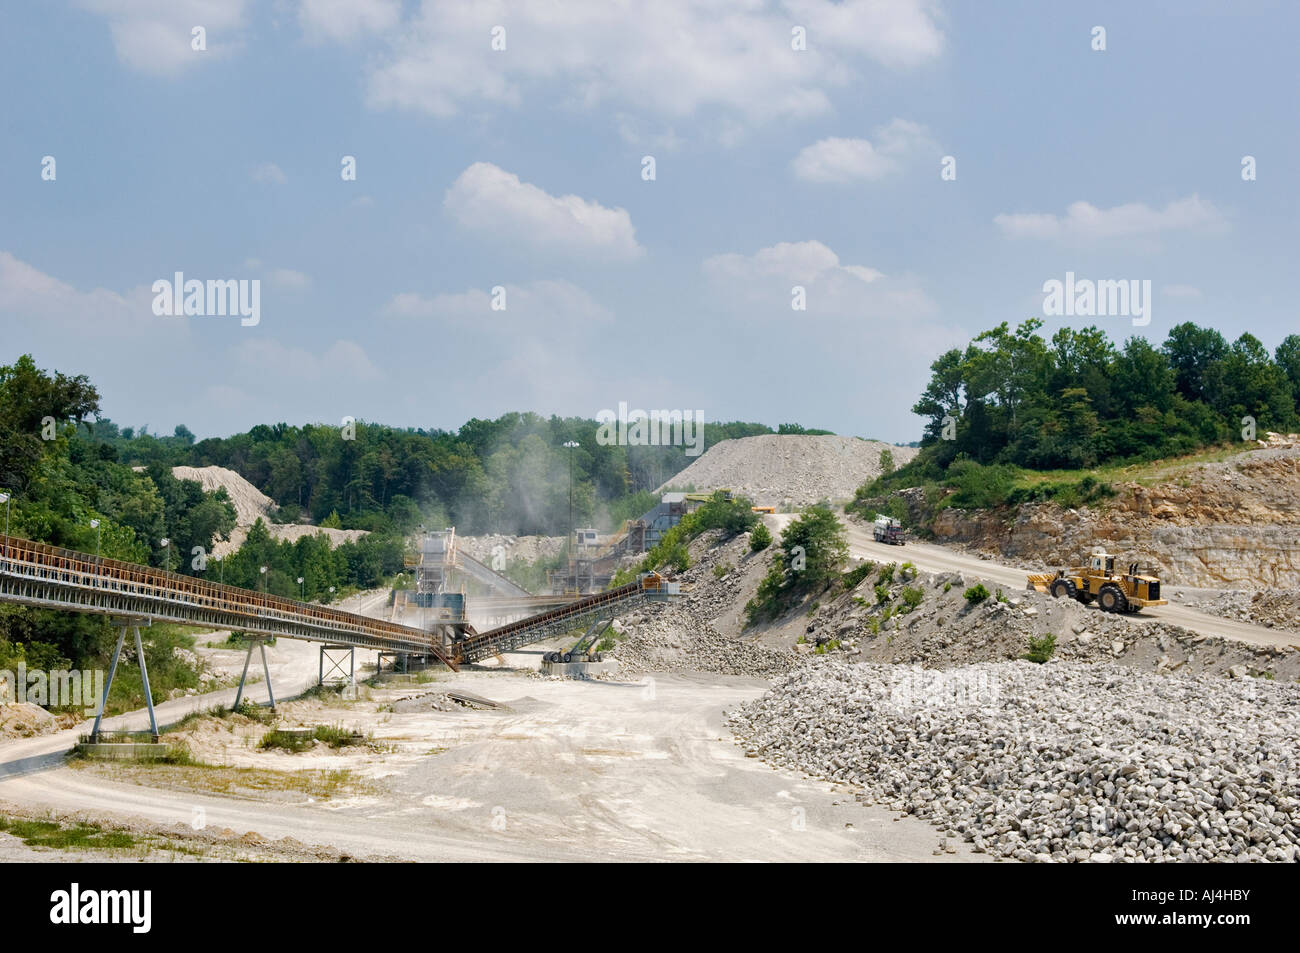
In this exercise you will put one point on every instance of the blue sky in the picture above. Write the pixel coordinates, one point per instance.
(522, 168)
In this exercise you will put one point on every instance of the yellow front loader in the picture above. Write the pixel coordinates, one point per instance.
(1113, 592)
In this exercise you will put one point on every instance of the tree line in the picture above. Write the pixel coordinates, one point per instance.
(1078, 400)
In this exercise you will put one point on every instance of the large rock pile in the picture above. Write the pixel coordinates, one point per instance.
(1272, 609)
(789, 470)
(1059, 762)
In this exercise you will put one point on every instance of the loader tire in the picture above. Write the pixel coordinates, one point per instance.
(1112, 598)
(1061, 588)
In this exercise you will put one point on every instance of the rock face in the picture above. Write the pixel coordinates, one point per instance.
(1055, 762)
(1221, 524)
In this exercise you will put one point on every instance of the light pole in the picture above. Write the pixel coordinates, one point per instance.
(221, 560)
(302, 592)
(571, 444)
(331, 593)
(167, 553)
(263, 572)
(94, 524)
(4, 497)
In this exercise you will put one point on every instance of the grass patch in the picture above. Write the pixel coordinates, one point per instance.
(336, 736)
(78, 836)
(199, 777)
(976, 594)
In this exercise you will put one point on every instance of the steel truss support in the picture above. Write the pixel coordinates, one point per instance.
(266, 668)
(123, 625)
(338, 656)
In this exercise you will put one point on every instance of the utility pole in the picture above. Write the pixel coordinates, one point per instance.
(167, 553)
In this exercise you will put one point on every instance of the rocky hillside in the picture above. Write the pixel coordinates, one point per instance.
(1235, 523)
(896, 615)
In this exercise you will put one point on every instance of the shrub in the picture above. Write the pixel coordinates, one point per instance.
(882, 593)
(854, 577)
(913, 597)
(760, 538)
(976, 594)
(1040, 650)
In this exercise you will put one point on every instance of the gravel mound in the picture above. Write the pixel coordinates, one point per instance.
(527, 548)
(789, 470)
(250, 503)
(665, 642)
(1279, 610)
(1056, 762)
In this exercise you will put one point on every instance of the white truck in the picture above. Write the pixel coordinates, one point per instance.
(886, 529)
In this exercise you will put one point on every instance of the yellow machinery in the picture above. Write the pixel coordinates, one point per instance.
(1114, 592)
(763, 509)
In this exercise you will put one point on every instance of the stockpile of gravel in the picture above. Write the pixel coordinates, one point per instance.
(1061, 762)
(789, 470)
(664, 643)
(1272, 609)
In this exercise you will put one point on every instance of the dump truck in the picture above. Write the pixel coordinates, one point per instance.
(886, 529)
(1098, 581)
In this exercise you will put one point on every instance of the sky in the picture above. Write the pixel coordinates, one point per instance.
(919, 169)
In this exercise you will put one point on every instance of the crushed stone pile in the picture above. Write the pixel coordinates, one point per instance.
(251, 504)
(789, 470)
(1055, 762)
(528, 548)
(682, 636)
(1279, 609)
(664, 641)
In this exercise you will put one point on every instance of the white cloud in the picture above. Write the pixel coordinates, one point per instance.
(268, 173)
(489, 199)
(342, 20)
(689, 56)
(849, 160)
(286, 279)
(537, 304)
(788, 261)
(50, 304)
(154, 36)
(1083, 221)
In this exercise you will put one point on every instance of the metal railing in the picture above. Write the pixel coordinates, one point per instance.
(48, 577)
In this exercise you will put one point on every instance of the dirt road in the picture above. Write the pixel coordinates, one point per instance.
(931, 558)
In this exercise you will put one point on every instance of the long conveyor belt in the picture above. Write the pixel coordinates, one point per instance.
(48, 577)
(480, 645)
